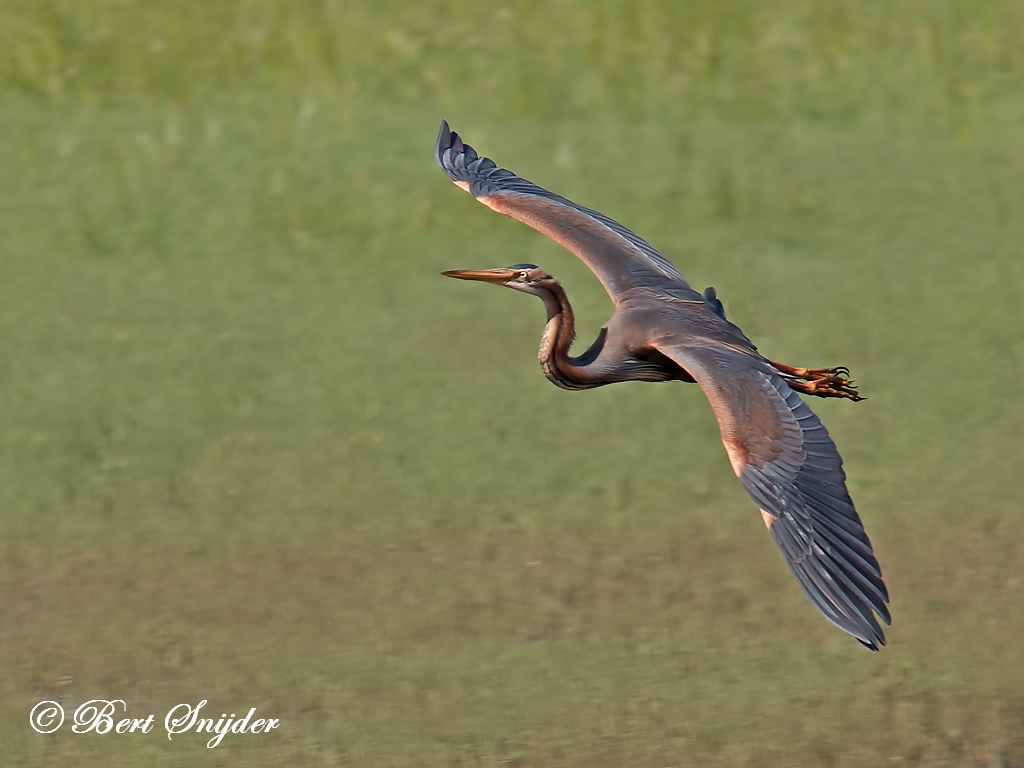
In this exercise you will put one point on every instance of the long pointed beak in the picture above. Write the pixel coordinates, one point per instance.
(496, 276)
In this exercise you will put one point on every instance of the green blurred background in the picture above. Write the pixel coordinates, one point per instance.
(255, 450)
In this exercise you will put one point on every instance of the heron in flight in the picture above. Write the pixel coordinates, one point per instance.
(664, 330)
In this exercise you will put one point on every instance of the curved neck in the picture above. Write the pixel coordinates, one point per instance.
(553, 354)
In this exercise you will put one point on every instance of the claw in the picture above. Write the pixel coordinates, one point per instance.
(820, 382)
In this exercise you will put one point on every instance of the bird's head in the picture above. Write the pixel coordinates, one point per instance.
(528, 278)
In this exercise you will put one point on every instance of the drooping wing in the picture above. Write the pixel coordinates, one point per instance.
(790, 467)
(620, 259)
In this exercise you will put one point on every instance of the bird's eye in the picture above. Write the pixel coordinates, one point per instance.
(523, 275)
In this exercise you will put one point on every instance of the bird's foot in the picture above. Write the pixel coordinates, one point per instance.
(820, 382)
(831, 386)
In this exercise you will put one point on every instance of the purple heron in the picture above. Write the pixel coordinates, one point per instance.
(664, 330)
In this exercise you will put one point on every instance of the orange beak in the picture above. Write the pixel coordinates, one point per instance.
(495, 276)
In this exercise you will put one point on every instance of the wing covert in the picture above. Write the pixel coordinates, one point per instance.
(620, 259)
(790, 468)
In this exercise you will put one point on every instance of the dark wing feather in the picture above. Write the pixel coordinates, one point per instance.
(790, 467)
(620, 259)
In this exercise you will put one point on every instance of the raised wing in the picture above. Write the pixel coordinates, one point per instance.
(790, 467)
(620, 259)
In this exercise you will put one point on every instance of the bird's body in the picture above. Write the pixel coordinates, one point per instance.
(664, 330)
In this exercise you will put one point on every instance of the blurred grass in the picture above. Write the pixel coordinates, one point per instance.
(256, 450)
(742, 58)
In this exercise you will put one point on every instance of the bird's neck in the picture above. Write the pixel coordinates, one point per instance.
(553, 354)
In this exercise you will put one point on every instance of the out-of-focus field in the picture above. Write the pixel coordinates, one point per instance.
(255, 450)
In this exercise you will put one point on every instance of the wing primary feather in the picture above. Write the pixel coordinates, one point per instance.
(854, 540)
(857, 609)
(827, 500)
(839, 572)
(824, 603)
(830, 590)
(862, 561)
